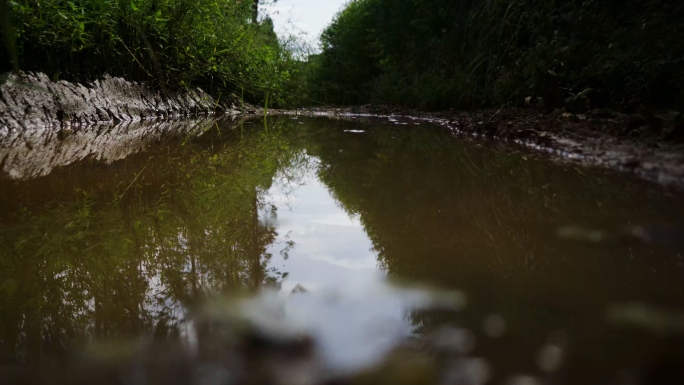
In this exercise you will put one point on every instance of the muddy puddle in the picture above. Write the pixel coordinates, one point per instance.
(313, 250)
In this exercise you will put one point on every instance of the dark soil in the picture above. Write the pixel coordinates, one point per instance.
(650, 145)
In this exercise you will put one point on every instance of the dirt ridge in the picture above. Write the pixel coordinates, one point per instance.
(31, 101)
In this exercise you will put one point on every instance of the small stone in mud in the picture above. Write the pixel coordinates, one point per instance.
(570, 117)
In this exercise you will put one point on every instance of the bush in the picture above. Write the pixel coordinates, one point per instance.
(212, 44)
(468, 53)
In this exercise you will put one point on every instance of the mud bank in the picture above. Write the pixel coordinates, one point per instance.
(31, 101)
(46, 124)
(597, 138)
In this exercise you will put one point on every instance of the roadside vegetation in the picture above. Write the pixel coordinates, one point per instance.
(430, 54)
(217, 45)
(470, 54)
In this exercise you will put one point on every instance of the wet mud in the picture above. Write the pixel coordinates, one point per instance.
(31, 101)
(597, 138)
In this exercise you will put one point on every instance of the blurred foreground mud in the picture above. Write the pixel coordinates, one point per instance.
(338, 337)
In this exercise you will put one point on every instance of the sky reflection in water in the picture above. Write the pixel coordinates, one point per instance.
(354, 317)
(331, 247)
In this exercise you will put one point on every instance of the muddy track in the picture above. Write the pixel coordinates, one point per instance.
(46, 124)
(31, 100)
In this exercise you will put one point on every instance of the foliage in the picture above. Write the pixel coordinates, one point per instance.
(212, 44)
(467, 53)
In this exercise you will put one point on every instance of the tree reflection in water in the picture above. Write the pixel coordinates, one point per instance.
(110, 252)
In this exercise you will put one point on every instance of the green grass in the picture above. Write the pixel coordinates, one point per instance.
(171, 44)
(468, 54)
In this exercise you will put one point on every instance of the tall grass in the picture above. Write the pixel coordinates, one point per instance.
(468, 53)
(212, 44)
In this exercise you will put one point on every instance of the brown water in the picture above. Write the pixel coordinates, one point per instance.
(560, 287)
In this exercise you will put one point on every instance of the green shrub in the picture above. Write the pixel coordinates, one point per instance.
(212, 44)
(468, 53)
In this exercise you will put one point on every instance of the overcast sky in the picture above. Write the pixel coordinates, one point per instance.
(308, 16)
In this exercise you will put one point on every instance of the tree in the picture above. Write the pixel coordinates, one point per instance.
(255, 9)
